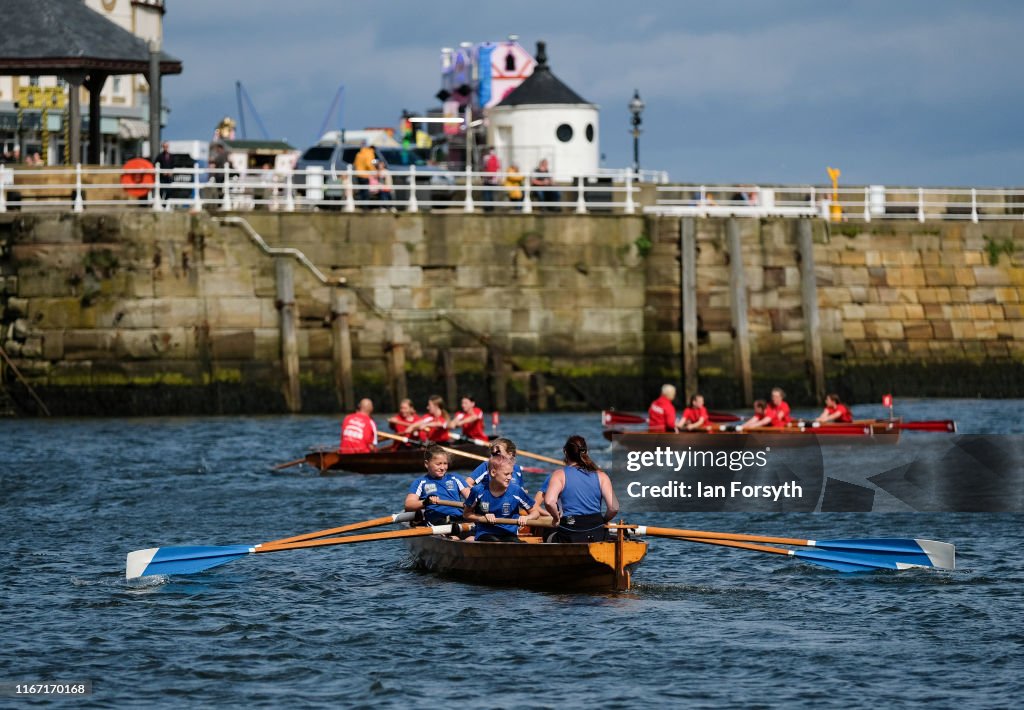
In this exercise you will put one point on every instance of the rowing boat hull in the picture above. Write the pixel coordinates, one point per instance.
(390, 461)
(577, 567)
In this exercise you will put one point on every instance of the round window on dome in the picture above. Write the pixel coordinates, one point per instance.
(590, 132)
(564, 133)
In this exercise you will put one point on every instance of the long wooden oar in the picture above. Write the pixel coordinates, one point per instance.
(187, 560)
(418, 442)
(407, 517)
(519, 452)
(845, 555)
(289, 464)
(947, 425)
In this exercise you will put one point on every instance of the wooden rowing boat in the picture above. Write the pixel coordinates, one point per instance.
(395, 460)
(578, 567)
(883, 430)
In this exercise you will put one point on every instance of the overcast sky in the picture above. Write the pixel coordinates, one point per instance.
(910, 92)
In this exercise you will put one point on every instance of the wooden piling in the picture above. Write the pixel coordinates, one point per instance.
(499, 380)
(396, 364)
(285, 278)
(341, 354)
(740, 330)
(688, 302)
(809, 302)
(446, 372)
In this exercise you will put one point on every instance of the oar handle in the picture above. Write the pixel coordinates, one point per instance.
(296, 462)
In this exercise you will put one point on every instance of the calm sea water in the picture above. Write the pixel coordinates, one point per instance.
(356, 626)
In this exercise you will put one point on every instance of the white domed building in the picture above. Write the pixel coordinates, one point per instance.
(544, 118)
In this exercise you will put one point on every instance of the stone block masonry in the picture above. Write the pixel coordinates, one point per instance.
(141, 312)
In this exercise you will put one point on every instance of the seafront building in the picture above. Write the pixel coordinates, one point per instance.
(124, 100)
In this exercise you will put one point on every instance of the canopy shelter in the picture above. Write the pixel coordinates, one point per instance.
(67, 39)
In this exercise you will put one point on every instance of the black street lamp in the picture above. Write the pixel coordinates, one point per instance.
(636, 107)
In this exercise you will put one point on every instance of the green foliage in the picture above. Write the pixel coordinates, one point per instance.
(643, 245)
(995, 249)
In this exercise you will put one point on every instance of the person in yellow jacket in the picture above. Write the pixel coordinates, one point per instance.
(364, 164)
(514, 183)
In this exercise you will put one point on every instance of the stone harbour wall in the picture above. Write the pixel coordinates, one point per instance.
(130, 312)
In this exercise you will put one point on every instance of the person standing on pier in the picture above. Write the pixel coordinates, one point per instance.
(358, 430)
(363, 164)
(661, 415)
(492, 166)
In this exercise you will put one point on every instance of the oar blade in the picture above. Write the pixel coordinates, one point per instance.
(180, 560)
(901, 552)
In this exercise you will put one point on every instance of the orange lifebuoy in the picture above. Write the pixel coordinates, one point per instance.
(138, 177)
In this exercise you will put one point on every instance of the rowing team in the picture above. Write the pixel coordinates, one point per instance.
(359, 431)
(661, 416)
(572, 495)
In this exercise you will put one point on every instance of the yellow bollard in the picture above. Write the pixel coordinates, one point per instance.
(835, 210)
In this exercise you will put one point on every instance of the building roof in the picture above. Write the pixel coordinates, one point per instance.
(55, 36)
(542, 87)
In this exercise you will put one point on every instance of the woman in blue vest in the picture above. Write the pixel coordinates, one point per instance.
(574, 495)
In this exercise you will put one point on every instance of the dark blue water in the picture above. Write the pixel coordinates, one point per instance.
(356, 626)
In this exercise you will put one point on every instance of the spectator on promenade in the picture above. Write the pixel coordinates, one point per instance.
(514, 184)
(492, 166)
(382, 185)
(542, 179)
(364, 167)
(165, 161)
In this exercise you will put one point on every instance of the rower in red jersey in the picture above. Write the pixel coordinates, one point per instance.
(401, 422)
(835, 411)
(471, 419)
(358, 431)
(661, 415)
(776, 412)
(433, 426)
(695, 416)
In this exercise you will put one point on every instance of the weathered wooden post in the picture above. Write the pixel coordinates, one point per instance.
(499, 382)
(540, 384)
(341, 355)
(446, 372)
(285, 276)
(740, 331)
(688, 298)
(809, 303)
(396, 364)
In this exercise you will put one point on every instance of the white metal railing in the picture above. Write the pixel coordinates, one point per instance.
(227, 189)
(864, 203)
(81, 188)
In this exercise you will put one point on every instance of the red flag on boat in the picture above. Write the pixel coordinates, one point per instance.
(887, 400)
(495, 420)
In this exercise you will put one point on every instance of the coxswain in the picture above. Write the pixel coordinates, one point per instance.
(776, 412)
(471, 419)
(499, 447)
(433, 426)
(574, 495)
(661, 415)
(695, 416)
(499, 498)
(358, 430)
(835, 411)
(401, 422)
(429, 492)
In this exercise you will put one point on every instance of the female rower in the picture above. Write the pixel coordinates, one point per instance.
(433, 426)
(759, 406)
(776, 412)
(499, 447)
(403, 421)
(574, 496)
(695, 416)
(429, 492)
(835, 411)
(471, 419)
(499, 498)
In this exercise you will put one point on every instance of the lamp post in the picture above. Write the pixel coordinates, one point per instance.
(636, 107)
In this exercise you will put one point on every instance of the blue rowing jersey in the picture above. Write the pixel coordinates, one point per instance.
(445, 488)
(480, 474)
(581, 494)
(507, 505)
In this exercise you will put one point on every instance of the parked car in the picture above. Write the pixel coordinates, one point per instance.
(432, 183)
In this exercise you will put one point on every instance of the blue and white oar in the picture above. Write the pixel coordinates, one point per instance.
(187, 560)
(853, 555)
